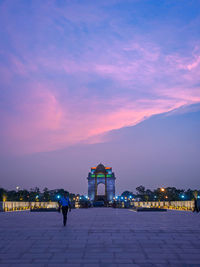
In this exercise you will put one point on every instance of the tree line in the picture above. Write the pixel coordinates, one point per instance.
(162, 194)
(142, 194)
(34, 194)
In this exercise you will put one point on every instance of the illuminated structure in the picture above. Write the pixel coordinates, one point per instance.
(101, 175)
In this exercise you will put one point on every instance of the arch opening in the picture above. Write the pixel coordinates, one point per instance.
(101, 189)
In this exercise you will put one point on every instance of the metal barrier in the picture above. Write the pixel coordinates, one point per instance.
(174, 205)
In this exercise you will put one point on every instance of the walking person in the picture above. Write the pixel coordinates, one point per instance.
(65, 205)
(196, 206)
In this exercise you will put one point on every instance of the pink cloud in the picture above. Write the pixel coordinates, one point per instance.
(51, 115)
(38, 115)
(43, 123)
(194, 64)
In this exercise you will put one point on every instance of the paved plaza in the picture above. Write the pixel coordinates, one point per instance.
(100, 237)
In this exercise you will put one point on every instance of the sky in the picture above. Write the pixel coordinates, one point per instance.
(79, 78)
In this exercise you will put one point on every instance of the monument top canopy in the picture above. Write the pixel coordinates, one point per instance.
(100, 168)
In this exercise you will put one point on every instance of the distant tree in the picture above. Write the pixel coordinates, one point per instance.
(174, 193)
(189, 194)
(3, 194)
(58, 192)
(127, 193)
(24, 195)
(168, 194)
(141, 192)
(62, 192)
(140, 189)
(148, 195)
(33, 193)
(46, 194)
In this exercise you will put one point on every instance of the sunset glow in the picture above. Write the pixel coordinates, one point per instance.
(74, 71)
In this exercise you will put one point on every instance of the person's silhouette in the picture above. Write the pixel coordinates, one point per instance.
(196, 206)
(65, 205)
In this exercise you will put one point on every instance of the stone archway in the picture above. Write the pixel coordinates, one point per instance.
(101, 175)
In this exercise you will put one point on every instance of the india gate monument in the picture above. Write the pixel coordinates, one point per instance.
(101, 175)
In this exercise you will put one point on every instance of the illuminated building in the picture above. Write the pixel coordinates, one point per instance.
(101, 175)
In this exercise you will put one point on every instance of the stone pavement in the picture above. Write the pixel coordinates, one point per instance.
(100, 237)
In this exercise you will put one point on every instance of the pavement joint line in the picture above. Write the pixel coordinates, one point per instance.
(99, 237)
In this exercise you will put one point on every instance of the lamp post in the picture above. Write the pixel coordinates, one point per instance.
(4, 198)
(161, 197)
(17, 188)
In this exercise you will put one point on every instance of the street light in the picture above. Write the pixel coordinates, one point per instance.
(162, 189)
(17, 188)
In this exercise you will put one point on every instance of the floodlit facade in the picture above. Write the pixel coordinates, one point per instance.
(101, 175)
